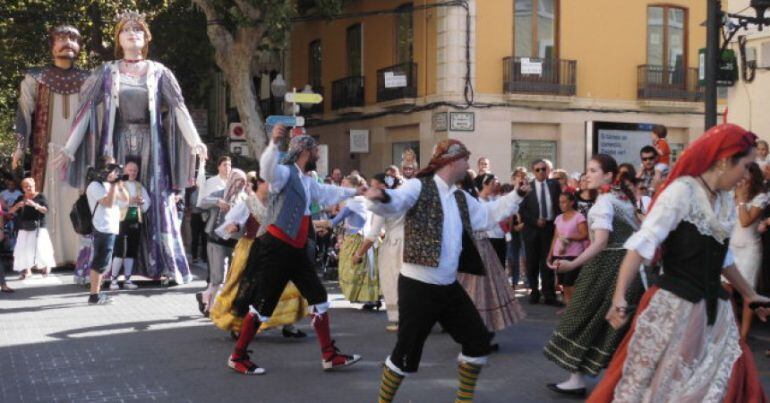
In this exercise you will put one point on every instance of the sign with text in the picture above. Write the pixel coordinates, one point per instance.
(286, 120)
(531, 67)
(359, 141)
(440, 121)
(394, 80)
(621, 141)
(462, 121)
(303, 98)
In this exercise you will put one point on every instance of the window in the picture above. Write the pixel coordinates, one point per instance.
(523, 152)
(535, 28)
(404, 34)
(314, 64)
(667, 38)
(355, 52)
(400, 147)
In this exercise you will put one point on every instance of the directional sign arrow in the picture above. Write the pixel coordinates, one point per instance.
(296, 121)
(303, 98)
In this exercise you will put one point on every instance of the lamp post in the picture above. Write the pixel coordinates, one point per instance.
(714, 24)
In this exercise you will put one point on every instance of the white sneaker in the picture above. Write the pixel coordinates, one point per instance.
(114, 285)
(129, 285)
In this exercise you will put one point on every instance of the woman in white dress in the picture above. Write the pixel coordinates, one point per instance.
(389, 253)
(33, 244)
(745, 243)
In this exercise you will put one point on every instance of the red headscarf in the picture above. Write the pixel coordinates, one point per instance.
(445, 152)
(721, 141)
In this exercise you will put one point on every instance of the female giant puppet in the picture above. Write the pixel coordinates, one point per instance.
(120, 114)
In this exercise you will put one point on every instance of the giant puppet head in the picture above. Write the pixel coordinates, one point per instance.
(132, 32)
(65, 43)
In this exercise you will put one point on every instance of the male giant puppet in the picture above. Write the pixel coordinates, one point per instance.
(48, 101)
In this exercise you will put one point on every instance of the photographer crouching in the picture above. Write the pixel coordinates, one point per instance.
(103, 194)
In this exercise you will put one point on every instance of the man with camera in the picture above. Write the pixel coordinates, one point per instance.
(103, 195)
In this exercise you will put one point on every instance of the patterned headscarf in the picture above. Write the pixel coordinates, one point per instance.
(445, 152)
(235, 184)
(297, 145)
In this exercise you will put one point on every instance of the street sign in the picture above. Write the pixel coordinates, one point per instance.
(295, 121)
(303, 98)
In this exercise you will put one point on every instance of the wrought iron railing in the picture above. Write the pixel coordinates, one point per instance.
(539, 76)
(348, 92)
(662, 82)
(397, 82)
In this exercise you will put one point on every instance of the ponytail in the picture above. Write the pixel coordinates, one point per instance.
(622, 181)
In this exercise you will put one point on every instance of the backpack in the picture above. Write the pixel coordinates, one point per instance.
(82, 216)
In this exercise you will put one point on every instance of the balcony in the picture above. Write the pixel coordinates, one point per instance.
(398, 82)
(348, 93)
(539, 76)
(663, 83)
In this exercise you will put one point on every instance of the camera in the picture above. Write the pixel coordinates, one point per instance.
(110, 168)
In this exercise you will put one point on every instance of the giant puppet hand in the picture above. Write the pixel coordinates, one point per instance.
(201, 150)
(61, 160)
(18, 157)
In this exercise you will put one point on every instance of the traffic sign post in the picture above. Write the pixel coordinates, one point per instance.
(295, 97)
(295, 121)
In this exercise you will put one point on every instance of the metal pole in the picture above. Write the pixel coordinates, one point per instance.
(713, 28)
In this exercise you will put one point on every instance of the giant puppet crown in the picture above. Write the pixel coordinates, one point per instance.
(131, 16)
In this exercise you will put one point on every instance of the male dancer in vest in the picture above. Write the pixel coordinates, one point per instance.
(437, 215)
(281, 255)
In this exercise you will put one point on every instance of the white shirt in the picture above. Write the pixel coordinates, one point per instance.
(277, 176)
(213, 184)
(684, 200)
(134, 188)
(483, 216)
(496, 232)
(106, 219)
(548, 201)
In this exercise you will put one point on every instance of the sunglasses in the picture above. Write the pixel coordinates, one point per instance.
(648, 158)
(539, 169)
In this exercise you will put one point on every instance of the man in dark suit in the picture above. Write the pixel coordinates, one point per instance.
(538, 210)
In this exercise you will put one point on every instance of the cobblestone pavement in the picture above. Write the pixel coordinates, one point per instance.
(152, 344)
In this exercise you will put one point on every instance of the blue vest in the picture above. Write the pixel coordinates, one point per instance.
(286, 208)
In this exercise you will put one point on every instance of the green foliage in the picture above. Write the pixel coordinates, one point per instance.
(24, 26)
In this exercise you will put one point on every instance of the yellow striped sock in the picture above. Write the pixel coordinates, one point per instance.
(468, 374)
(389, 385)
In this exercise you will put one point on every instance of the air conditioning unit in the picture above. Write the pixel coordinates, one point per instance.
(236, 132)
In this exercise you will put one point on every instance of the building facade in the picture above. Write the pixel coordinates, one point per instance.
(750, 96)
(515, 80)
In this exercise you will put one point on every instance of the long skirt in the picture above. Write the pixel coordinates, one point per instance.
(33, 249)
(748, 260)
(491, 294)
(290, 309)
(359, 283)
(583, 340)
(672, 354)
(389, 257)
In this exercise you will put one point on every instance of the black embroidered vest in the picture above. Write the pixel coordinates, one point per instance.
(423, 227)
(692, 265)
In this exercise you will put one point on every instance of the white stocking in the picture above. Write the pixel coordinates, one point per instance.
(128, 267)
(575, 381)
(116, 264)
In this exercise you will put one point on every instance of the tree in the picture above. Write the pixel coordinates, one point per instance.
(23, 33)
(240, 30)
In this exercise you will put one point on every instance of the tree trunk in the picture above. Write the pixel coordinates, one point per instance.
(238, 74)
(234, 55)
